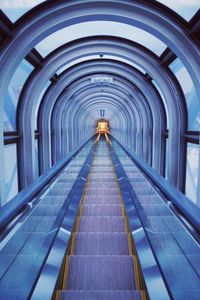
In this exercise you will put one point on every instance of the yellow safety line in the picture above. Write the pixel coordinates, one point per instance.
(126, 226)
(76, 224)
(143, 294)
(80, 211)
(120, 197)
(123, 211)
(66, 269)
(72, 244)
(137, 280)
(130, 244)
(57, 296)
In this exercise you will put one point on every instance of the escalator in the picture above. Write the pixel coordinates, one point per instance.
(24, 248)
(101, 263)
(100, 229)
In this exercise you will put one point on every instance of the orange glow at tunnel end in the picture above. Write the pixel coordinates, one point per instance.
(102, 128)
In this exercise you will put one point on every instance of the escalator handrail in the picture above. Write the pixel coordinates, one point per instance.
(54, 260)
(10, 210)
(190, 211)
(151, 271)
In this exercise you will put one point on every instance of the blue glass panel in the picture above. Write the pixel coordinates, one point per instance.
(36, 167)
(39, 101)
(163, 99)
(185, 8)
(192, 100)
(14, 9)
(166, 158)
(11, 176)
(193, 173)
(14, 90)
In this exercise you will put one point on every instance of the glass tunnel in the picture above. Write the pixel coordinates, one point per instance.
(100, 150)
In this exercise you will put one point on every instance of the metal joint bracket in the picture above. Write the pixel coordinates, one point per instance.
(137, 230)
(121, 178)
(88, 165)
(81, 178)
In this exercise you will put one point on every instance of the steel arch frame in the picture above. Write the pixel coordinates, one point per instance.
(96, 100)
(179, 110)
(157, 113)
(55, 97)
(145, 115)
(180, 30)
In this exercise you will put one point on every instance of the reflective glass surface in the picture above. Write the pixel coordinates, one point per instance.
(11, 176)
(163, 99)
(193, 173)
(192, 99)
(23, 251)
(38, 102)
(36, 171)
(175, 250)
(185, 8)
(166, 158)
(14, 9)
(13, 93)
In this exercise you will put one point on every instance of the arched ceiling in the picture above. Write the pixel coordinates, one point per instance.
(101, 70)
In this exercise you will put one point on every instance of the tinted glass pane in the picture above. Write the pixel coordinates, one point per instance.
(14, 9)
(11, 175)
(166, 158)
(193, 173)
(36, 166)
(163, 99)
(192, 100)
(185, 8)
(39, 100)
(12, 97)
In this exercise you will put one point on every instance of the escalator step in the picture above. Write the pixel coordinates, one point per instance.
(101, 244)
(97, 199)
(101, 210)
(102, 191)
(101, 224)
(102, 184)
(101, 273)
(102, 179)
(102, 175)
(99, 295)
